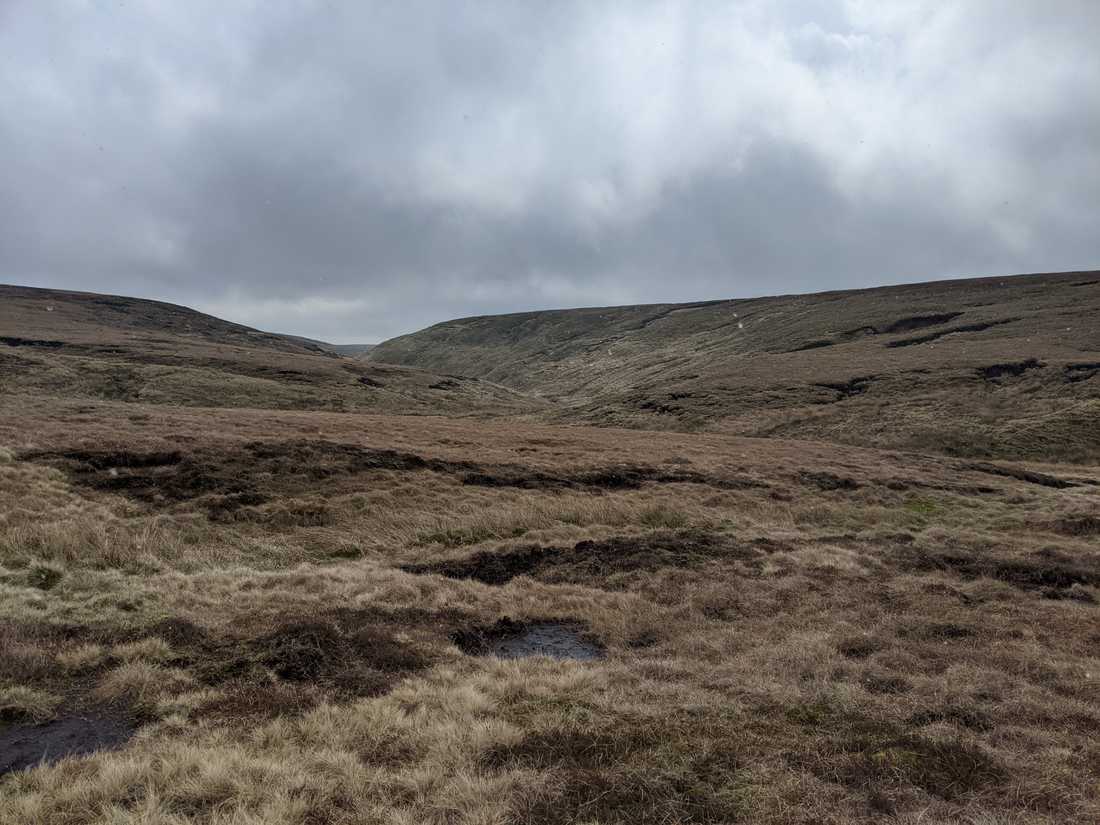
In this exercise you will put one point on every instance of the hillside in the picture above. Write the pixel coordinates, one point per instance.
(995, 366)
(106, 347)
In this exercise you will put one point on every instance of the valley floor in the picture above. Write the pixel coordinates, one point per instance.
(289, 617)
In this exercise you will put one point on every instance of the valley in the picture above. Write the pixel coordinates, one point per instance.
(829, 558)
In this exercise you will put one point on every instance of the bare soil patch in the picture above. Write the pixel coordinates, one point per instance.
(846, 389)
(916, 322)
(30, 342)
(227, 480)
(1020, 474)
(594, 563)
(908, 324)
(828, 481)
(624, 477)
(935, 336)
(1082, 372)
(293, 663)
(24, 746)
(1010, 370)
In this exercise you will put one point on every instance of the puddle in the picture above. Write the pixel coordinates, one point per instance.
(509, 639)
(24, 746)
(545, 639)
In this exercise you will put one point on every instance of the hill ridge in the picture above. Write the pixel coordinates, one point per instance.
(68, 343)
(771, 365)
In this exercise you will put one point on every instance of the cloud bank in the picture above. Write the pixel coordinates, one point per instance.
(353, 171)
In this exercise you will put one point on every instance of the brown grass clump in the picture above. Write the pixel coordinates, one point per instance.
(625, 769)
(883, 759)
(24, 703)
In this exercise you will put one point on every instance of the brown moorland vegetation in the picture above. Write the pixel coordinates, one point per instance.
(981, 367)
(238, 614)
(78, 344)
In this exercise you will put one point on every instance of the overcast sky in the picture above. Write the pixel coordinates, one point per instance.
(355, 170)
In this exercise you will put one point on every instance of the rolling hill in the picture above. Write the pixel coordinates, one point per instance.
(126, 349)
(994, 366)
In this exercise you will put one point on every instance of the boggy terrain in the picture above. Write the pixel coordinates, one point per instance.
(284, 616)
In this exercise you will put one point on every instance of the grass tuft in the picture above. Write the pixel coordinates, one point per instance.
(23, 704)
(663, 516)
(44, 576)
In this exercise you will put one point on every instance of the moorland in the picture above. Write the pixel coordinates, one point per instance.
(825, 559)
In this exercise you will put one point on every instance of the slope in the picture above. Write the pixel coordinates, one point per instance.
(125, 349)
(994, 366)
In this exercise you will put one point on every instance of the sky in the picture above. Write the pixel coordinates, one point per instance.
(351, 171)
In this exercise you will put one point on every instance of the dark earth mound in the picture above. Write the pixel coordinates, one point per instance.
(623, 477)
(228, 480)
(1020, 474)
(30, 342)
(339, 655)
(935, 336)
(828, 481)
(1053, 577)
(1012, 370)
(593, 562)
(240, 475)
(909, 324)
(1082, 372)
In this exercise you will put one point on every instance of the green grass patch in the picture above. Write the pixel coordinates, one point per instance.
(922, 506)
(662, 516)
(457, 536)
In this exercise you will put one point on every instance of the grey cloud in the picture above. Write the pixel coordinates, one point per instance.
(355, 171)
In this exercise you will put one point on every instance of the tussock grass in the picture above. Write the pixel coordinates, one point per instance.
(84, 657)
(775, 652)
(150, 649)
(23, 704)
(142, 684)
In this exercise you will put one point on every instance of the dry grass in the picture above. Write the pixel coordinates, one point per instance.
(798, 632)
(991, 368)
(24, 703)
(99, 347)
